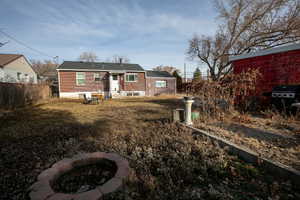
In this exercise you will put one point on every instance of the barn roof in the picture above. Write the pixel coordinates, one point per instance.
(158, 74)
(8, 58)
(101, 66)
(267, 52)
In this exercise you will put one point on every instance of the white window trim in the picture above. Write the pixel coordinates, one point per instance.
(160, 82)
(99, 76)
(77, 78)
(135, 74)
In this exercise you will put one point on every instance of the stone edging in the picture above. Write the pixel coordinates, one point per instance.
(42, 190)
(249, 156)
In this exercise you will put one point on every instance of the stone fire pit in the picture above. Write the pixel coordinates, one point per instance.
(48, 185)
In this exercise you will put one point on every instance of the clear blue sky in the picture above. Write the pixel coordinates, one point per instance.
(148, 32)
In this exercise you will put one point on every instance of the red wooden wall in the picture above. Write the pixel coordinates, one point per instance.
(276, 69)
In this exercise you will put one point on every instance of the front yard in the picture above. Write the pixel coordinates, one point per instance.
(167, 160)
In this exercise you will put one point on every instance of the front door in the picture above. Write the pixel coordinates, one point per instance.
(115, 83)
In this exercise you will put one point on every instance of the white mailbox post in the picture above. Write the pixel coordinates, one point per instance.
(188, 101)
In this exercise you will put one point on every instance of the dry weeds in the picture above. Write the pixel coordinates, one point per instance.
(168, 162)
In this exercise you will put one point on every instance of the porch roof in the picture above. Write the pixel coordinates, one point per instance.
(99, 66)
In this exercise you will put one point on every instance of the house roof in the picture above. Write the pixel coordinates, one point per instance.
(79, 65)
(8, 58)
(266, 52)
(151, 73)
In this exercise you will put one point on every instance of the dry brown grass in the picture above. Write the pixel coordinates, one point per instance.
(229, 109)
(167, 160)
(270, 134)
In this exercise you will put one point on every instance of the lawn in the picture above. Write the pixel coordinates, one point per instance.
(167, 160)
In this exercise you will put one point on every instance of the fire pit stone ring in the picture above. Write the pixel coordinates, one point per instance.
(42, 189)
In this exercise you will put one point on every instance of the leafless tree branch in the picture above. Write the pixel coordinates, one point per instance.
(246, 25)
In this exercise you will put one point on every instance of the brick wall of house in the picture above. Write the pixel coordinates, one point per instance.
(68, 82)
(140, 85)
(152, 90)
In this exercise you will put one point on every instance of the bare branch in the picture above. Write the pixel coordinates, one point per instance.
(246, 25)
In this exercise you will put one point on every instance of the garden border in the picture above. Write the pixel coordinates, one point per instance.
(249, 156)
(42, 190)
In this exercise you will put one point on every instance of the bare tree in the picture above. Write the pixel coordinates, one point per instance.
(88, 57)
(118, 59)
(246, 26)
(169, 69)
(44, 68)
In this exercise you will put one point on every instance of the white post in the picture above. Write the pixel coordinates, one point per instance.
(188, 101)
(110, 84)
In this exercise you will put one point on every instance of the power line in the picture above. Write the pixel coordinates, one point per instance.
(3, 43)
(25, 45)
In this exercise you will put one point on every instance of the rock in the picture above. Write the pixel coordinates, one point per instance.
(84, 188)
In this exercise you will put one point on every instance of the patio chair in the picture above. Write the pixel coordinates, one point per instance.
(86, 100)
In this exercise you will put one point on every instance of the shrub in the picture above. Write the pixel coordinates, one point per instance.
(233, 91)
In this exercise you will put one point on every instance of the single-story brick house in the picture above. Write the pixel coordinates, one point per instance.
(111, 79)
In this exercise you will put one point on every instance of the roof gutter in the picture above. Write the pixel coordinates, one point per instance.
(99, 70)
(265, 52)
(160, 77)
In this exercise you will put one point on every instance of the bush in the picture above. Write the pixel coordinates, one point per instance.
(233, 91)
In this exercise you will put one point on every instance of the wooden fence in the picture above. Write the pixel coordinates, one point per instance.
(14, 95)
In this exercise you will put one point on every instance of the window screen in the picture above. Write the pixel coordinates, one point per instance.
(131, 77)
(80, 78)
(160, 84)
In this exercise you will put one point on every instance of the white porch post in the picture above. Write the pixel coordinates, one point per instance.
(188, 101)
(110, 84)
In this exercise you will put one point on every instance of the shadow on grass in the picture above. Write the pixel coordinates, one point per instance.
(171, 103)
(31, 140)
(36, 138)
(32, 121)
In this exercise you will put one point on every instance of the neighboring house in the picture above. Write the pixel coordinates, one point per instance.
(110, 79)
(15, 68)
(160, 82)
(278, 66)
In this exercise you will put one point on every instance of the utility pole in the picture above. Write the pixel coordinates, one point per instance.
(185, 73)
(55, 59)
(185, 80)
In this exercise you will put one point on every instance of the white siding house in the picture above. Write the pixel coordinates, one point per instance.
(15, 68)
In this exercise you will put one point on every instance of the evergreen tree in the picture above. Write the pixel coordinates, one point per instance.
(197, 75)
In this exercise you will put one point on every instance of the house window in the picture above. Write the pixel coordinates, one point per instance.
(131, 77)
(80, 78)
(115, 77)
(97, 76)
(26, 78)
(160, 84)
(19, 76)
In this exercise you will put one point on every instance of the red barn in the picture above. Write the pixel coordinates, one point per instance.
(278, 66)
